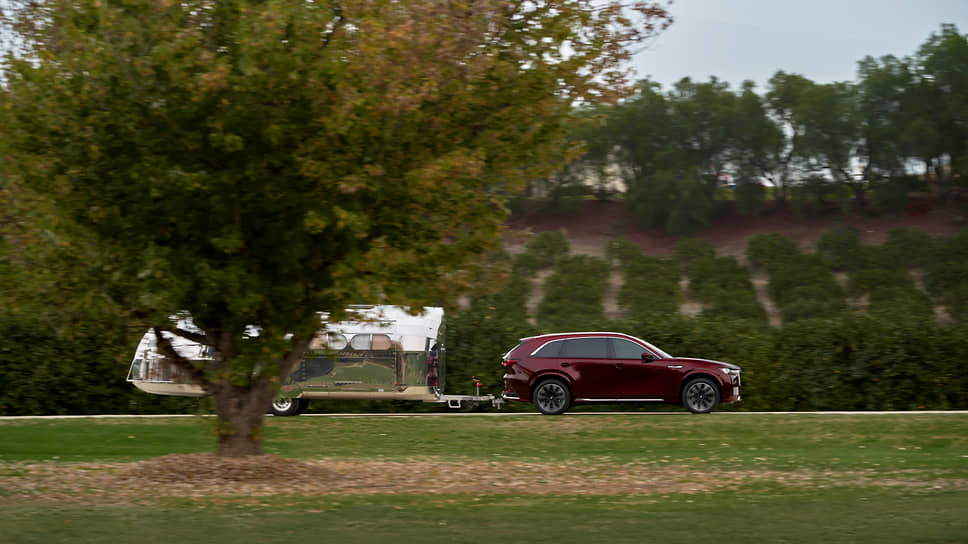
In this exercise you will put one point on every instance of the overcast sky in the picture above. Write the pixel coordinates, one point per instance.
(736, 40)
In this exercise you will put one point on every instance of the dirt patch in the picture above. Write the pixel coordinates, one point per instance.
(203, 476)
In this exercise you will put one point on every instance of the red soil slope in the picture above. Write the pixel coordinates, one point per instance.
(598, 222)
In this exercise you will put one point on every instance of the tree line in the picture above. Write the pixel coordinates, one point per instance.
(901, 124)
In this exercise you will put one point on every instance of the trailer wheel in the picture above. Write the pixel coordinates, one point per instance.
(286, 407)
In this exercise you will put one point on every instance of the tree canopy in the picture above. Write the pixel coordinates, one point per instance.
(902, 119)
(256, 162)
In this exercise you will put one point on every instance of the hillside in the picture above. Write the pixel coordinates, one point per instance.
(597, 222)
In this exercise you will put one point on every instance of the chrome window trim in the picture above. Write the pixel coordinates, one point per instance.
(656, 352)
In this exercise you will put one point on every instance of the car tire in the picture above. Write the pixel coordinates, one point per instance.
(286, 407)
(700, 396)
(551, 396)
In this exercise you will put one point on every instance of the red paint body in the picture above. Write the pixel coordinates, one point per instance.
(614, 367)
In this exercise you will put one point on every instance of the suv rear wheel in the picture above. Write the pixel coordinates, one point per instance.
(552, 397)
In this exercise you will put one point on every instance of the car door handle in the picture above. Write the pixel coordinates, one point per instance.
(674, 366)
(565, 364)
(619, 365)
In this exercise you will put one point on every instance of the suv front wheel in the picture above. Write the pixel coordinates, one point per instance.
(552, 397)
(700, 396)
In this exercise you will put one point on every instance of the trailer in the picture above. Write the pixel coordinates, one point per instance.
(382, 353)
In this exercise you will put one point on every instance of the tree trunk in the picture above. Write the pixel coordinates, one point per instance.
(241, 414)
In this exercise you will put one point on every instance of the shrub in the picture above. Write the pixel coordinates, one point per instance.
(799, 272)
(840, 248)
(651, 286)
(767, 250)
(867, 280)
(906, 247)
(899, 302)
(622, 251)
(812, 308)
(81, 370)
(690, 250)
(547, 247)
(574, 293)
(725, 289)
(947, 268)
(733, 304)
(891, 194)
(718, 273)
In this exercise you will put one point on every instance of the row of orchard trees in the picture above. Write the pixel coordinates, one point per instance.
(903, 118)
(892, 353)
(828, 352)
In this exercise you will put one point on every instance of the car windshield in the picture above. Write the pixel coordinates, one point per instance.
(656, 350)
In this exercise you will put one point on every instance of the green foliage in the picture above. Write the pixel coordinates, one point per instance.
(255, 163)
(948, 266)
(718, 273)
(891, 194)
(477, 337)
(769, 250)
(679, 202)
(867, 280)
(547, 247)
(866, 363)
(908, 247)
(803, 287)
(725, 289)
(651, 286)
(900, 302)
(622, 251)
(573, 295)
(840, 248)
(690, 250)
(47, 371)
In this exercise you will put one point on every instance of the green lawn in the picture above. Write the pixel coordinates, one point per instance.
(873, 478)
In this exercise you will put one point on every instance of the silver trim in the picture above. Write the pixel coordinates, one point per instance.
(620, 400)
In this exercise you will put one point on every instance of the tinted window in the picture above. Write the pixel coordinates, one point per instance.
(550, 349)
(586, 348)
(625, 349)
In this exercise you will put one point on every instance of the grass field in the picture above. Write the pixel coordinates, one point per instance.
(644, 477)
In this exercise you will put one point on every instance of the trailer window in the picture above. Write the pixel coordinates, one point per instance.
(367, 342)
(336, 341)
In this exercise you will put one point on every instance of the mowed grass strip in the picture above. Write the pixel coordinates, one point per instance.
(574, 478)
(775, 441)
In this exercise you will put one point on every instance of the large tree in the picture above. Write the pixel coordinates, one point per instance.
(256, 162)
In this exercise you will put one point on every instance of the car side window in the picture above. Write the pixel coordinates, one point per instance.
(625, 349)
(586, 348)
(550, 349)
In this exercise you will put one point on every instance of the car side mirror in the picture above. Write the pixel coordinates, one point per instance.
(647, 357)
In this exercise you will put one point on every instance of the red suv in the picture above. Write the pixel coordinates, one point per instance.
(555, 370)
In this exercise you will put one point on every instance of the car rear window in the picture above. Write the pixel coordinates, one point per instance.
(551, 349)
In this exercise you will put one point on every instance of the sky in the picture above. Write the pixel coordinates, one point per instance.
(736, 40)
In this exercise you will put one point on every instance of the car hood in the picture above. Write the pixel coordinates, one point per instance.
(704, 361)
